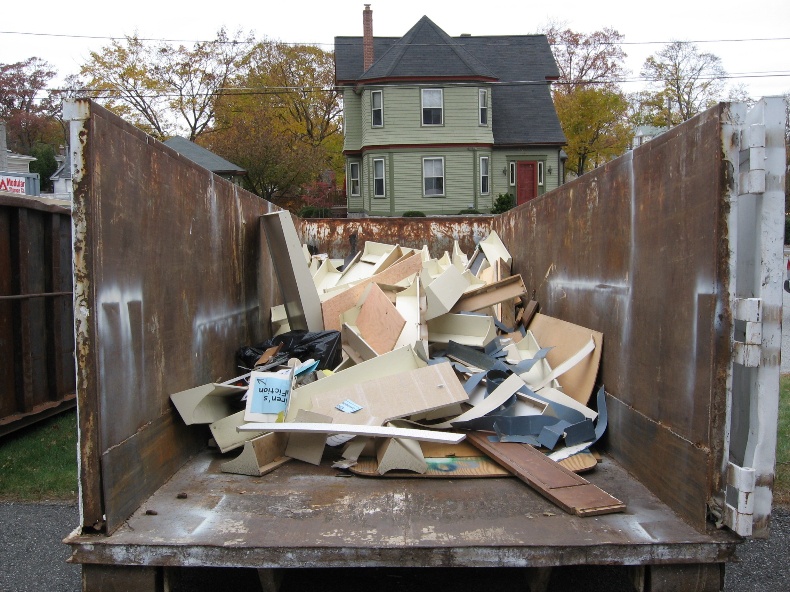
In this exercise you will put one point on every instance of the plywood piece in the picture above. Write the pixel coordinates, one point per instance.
(308, 446)
(402, 455)
(379, 322)
(567, 339)
(504, 290)
(260, 455)
(342, 301)
(373, 252)
(389, 364)
(444, 291)
(570, 492)
(384, 399)
(471, 330)
(299, 293)
(580, 462)
(226, 435)
(354, 346)
(357, 430)
(206, 403)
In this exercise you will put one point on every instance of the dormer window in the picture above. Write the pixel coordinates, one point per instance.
(376, 109)
(432, 106)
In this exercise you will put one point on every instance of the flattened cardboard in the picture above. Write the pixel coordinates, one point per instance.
(568, 339)
(389, 364)
(384, 399)
(293, 273)
(260, 455)
(206, 403)
(308, 447)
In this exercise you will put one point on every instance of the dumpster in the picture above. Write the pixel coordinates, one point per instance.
(673, 252)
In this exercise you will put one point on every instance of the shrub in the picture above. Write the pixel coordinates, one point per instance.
(315, 212)
(503, 203)
(413, 214)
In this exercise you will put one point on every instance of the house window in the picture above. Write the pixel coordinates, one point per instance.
(512, 174)
(540, 173)
(378, 177)
(484, 176)
(376, 109)
(432, 106)
(353, 178)
(482, 104)
(433, 176)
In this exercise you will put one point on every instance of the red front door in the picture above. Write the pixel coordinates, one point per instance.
(526, 181)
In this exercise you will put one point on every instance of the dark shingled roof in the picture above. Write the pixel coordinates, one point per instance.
(522, 65)
(205, 158)
(418, 52)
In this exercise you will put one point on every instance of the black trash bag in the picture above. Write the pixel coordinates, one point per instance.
(322, 346)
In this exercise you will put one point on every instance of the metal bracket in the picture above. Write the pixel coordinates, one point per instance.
(748, 352)
(739, 501)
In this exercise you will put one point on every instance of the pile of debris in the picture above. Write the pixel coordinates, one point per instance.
(407, 365)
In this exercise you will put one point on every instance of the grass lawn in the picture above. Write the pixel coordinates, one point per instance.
(40, 462)
(782, 482)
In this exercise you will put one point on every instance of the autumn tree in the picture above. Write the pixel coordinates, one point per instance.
(591, 107)
(684, 80)
(282, 121)
(27, 105)
(162, 89)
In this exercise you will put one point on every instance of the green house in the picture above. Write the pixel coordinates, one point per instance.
(440, 124)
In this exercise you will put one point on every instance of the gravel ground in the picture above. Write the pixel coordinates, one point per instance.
(33, 558)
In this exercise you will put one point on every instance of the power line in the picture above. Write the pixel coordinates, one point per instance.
(155, 39)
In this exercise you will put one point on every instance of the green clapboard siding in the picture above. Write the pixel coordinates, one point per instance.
(402, 117)
(352, 119)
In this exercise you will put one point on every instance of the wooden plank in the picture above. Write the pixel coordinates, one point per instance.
(357, 430)
(572, 493)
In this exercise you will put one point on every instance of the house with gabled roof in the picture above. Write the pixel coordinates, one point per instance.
(440, 124)
(207, 159)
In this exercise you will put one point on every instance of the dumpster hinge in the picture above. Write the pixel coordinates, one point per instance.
(739, 499)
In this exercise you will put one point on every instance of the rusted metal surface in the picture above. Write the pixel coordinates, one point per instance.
(169, 284)
(302, 515)
(342, 237)
(37, 376)
(637, 250)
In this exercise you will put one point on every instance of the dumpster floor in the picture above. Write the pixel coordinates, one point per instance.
(303, 515)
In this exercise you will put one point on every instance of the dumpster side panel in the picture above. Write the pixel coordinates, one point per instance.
(637, 249)
(340, 238)
(168, 280)
(36, 320)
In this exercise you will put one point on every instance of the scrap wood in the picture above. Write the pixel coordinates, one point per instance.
(260, 456)
(206, 403)
(357, 430)
(490, 294)
(572, 493)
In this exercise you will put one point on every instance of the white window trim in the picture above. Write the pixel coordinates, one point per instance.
(381, 93)
(488, 175)
(383, 178)
(351, 179)
(540, 173)
(512, 180)
(422, 107)
(444, 177)
(482, 96)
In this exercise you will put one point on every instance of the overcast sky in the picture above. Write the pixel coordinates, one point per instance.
(64, 33)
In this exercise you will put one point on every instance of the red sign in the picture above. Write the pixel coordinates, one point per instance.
(12, 184)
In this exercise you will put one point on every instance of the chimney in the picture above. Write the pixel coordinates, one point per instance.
(367, 37)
